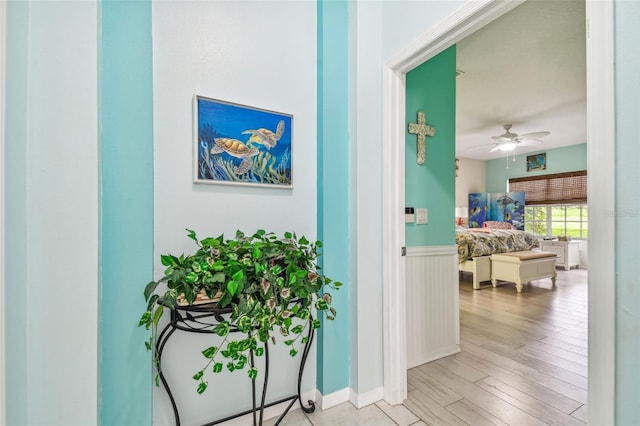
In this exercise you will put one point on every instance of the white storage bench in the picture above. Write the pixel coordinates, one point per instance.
(522, 267)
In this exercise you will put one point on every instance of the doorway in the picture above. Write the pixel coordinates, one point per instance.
(600, 123)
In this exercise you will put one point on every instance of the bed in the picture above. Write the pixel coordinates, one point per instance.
(476, 245)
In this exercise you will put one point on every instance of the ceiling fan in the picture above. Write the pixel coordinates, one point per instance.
(508, 141)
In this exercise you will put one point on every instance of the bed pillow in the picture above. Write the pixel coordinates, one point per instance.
(479, 230)
(496, 224)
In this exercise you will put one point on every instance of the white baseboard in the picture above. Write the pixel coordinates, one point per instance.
(367, 398)
(336, 398)
(428, 357)
(349, 395)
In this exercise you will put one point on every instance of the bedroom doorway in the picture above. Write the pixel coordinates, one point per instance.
(600, 123)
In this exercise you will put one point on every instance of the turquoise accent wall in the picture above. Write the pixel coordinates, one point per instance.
(431, 88)
(559, 160)
(627, 155)
(333, 188)
(126, 208)
(15, 308)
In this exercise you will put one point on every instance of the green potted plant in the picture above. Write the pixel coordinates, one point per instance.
(268, 284)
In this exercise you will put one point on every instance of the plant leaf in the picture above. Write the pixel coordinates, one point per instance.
(217, 367)
(238, 275)
(149, 289)
(202, 387)
(198, 375)
(210, 352)
(252, 373)
(152, 301)
(157, 314)
(257, 253)
(145, 319)
(222, 329)
(191, 234)
(232, 287)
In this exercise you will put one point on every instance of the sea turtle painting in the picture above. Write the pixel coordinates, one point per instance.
(266, 137)
(238, 149)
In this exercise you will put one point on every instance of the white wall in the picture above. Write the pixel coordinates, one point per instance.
(63, 213)
(382, 29)
(471, 179)
(255, 53)
(404, 21)
(53, 275)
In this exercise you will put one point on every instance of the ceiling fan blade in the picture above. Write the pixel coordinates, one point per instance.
(501, 138)
(484, 145)
(534, 135)
(529, 142)
(495, 148)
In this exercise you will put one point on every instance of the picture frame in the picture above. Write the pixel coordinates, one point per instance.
(537, 162)
(237, 144)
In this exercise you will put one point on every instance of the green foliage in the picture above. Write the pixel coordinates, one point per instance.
(269, 283)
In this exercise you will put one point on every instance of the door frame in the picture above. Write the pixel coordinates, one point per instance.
(600, 163)
(3, 348)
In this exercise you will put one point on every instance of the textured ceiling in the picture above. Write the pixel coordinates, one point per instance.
(526, 68)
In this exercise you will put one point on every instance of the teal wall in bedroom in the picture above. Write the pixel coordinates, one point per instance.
(559, 160)
(431, 88)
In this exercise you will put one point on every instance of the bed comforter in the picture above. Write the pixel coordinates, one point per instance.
(473, 244)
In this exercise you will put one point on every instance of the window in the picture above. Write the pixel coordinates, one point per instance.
(555, 220)
(556, 204)
(558, 188)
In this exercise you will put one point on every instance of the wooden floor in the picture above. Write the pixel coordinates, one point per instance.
(523, 359)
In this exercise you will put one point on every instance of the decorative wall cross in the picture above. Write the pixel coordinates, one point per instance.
(421, 130)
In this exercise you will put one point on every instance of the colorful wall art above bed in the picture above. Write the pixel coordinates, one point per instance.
(496, 206)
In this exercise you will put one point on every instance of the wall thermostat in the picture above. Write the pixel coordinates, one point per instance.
(409, 215)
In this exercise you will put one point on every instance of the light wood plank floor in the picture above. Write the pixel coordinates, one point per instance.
(523, 359)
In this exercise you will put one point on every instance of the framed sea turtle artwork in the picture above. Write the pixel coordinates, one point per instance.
(241, 145)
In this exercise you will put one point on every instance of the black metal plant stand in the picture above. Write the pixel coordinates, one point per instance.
(201, 319)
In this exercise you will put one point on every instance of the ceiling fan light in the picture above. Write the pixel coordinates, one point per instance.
(508, 146)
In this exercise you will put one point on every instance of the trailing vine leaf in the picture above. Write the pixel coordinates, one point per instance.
(157, 314)
(202, 387)
(149, 288)
(222, 329)
(145, 319)
(253, 373)
(210, 351)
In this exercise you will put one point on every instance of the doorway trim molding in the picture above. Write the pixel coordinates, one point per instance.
(601, 143)
(3, 347)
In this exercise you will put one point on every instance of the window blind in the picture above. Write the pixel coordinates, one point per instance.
(558, 188)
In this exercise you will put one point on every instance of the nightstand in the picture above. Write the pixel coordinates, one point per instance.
(568, 252)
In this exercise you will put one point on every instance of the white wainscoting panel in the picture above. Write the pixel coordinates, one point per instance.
(433, 321)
